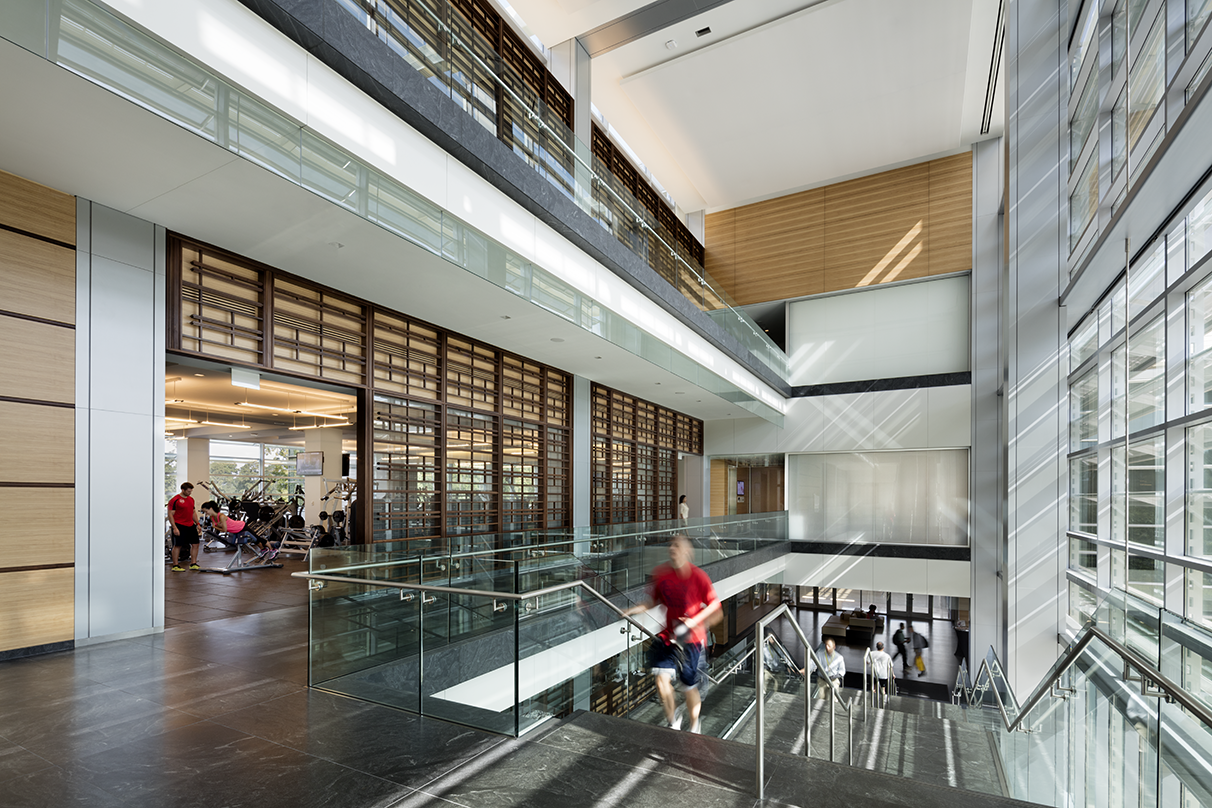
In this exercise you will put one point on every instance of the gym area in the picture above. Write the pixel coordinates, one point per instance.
(279, 460)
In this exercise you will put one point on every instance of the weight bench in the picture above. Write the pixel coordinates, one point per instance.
(239, 563)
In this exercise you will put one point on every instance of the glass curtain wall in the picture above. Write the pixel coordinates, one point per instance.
(1121, 55)
(1140, 431)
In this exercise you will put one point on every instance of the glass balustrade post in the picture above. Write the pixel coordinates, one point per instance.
(832, 718)
(759, 686)
(420, 644)
(807, 704)
(517, 659)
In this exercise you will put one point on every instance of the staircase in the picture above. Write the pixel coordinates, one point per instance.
(624, 762)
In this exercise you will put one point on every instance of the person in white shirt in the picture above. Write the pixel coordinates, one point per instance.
(835, 668)
(683, 509)
(881, 670)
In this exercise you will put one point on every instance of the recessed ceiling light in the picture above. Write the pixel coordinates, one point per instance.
(200, 375)
(679, 392)
(506, 317)
(556, 339)
(597, 357)
(671, 44)
(658, 383)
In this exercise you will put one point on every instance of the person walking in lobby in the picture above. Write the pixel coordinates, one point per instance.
(901, 643)
(691, 605)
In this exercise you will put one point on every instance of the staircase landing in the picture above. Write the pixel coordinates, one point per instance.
(592, 759)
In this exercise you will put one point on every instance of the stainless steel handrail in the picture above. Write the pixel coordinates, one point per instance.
(1149, 675)
(811, 662)
(485, 593)
(641, 534)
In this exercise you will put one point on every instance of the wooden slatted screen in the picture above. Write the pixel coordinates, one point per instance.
(318, 333)
(467, 439)
(633, 457)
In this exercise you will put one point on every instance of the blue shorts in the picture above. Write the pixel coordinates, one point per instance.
(682, 660)
(245, 536)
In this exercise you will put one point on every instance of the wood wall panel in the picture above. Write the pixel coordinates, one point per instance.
(37, 443)
(38, 607)
(719, 488)
(38, 361)
(951, 214)
(780, 242)
(720, 256)
(912, 222)
(874, 225)
(37, 440)
(47, 538)
(36, 209)
(37, 279)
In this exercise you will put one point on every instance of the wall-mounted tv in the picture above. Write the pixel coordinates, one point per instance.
(309, 464)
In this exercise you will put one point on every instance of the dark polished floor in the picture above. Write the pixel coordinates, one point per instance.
(194, 597)
(215, 711)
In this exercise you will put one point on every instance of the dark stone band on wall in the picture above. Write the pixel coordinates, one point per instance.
(931, 552)
(337, 39)
(875, 385)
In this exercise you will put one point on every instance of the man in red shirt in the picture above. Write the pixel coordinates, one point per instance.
(690, 606)
(185, 527)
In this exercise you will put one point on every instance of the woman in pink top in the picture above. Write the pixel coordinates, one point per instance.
(236, 530)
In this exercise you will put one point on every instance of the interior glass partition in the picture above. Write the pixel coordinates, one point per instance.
(506, 636)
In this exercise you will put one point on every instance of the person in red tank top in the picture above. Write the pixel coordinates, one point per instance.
(691, 605)
(184, 520)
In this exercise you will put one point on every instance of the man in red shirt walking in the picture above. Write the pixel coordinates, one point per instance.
(185, 527)
(690, 606)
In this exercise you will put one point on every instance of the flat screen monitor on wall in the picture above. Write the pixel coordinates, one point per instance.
(309, 464)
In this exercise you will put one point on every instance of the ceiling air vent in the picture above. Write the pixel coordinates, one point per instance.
(703, 31)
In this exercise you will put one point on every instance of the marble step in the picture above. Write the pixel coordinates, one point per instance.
(718, 766)
(926, 748)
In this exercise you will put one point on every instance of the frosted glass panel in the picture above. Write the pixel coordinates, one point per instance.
(880, 333)
(895, 497)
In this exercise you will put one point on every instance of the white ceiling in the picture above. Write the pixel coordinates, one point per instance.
(788, 94)
(68, 134)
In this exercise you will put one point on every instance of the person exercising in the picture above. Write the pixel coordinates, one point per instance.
(690, 606)
(184, 519)
(236, 530)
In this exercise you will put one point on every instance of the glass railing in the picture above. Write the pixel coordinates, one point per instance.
(457, 635)
(93, 43)
(1123, 718)
(617, 557)
(438, 42)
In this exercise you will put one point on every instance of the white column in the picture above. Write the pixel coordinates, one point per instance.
(693, 483)
(193, 463)
(581, 391)
(120, 334)
(988, 453)
(1036, 389)
(327, 441)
